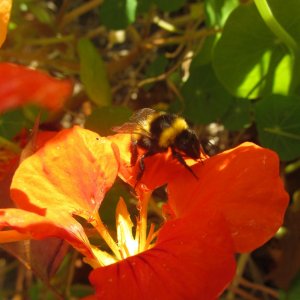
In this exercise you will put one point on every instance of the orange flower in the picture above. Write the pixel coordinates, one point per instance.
(68, 176)
(17, 88)
(5, 8)
(236, 205)
(244, 185)
(190, 259)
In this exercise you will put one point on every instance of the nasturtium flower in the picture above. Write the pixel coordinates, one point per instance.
(68, 176)
(237, 204)
(244, 185)
(5, 8)
(21, 86)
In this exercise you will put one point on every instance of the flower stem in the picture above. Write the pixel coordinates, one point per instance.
(241, 265)
(97, 223)
(142, 224)
(268, 17)
(9, 236)
(292, 45)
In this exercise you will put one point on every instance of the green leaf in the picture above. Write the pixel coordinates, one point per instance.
(204, 56)
(293, 291)
(93, 74)
(167, 5)
(81, 290)
(238, 115)
(42, 13)
(206, 100)
(118, 14)
(11, 123)
(108, 206)
(248, 54)
(144, 6)
(37, 289)
(104, 118)
(278, 124)
(217, 11)
(157, 67)
(31, 112)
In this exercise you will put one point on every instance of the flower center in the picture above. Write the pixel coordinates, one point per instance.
(128, 243)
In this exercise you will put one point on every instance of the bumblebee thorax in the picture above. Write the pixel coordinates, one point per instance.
(168, 135)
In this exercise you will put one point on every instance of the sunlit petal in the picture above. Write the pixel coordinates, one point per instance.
(244, 185)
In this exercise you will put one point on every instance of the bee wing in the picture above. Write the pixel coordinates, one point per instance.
(137, 124)
(131, 128)
(141, 115)
(126, 128)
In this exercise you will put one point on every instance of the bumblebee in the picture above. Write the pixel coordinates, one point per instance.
(156, 132)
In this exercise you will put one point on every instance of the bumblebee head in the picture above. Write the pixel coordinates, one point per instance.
(188, 143)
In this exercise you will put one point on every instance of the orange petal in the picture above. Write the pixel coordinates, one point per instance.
(22, 85)
(53, 224)
(5, 8)
(244, 185)
(191, 260)
(69, 175)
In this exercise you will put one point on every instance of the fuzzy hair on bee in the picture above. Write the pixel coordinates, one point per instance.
(156, 132)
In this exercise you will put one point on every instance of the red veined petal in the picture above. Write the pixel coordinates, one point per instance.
(69, 175)
(244, 185)
(22, 85)
(53, 224)
(191, 260)
(5, 9)
(159, 168)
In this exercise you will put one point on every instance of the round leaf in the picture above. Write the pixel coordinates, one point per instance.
(118, 14)
(278, 124)
(238, 115)
(206, 99)
(248, 53)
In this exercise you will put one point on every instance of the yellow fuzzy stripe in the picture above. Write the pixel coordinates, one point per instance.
(168, 135)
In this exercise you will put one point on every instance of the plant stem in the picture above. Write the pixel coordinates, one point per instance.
(241, 265)
(84, 8)
(142, 223)
(268, 17)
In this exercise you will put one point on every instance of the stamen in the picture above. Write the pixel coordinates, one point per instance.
(142, 223)
(128, 245)
(151, 236)
(97, 223)
(102, 258)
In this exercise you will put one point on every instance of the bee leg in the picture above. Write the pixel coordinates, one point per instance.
(179, 157)
(142, 167)
(134, 152)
